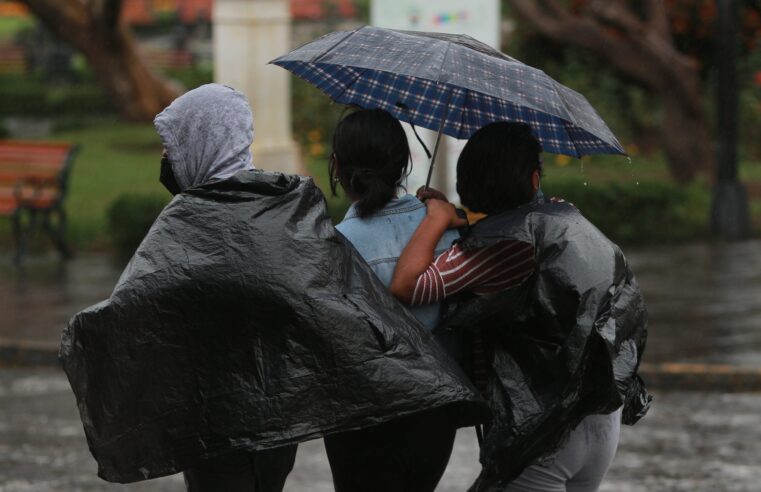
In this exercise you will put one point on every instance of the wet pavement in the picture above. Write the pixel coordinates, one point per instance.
(704, 302)
(37, 300)
(690, 441)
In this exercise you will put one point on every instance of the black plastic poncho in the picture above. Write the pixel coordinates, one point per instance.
(563, 345)
(244, 321)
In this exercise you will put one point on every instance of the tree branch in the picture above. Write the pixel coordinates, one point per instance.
(557, 10)
(639, 48)
(615, 13)
(95, 28)
(657, 18)
(65, 12)
(586, 33)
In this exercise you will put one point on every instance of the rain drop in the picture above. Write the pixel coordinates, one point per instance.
(632, 172)
(585, 183)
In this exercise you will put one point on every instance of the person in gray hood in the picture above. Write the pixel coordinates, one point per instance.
(244, 324)
(207, 135)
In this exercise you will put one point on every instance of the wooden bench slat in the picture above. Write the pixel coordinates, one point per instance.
(38, 166)
(33, 179)
(30, 193)
(30, 150)
(34, 164)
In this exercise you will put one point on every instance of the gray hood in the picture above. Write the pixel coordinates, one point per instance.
(207, 133)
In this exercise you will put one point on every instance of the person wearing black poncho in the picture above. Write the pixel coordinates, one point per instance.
(243, 323)
(551, 304)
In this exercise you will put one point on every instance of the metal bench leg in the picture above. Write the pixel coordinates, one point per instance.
(18, 237)
(58, 233)
(23, 233)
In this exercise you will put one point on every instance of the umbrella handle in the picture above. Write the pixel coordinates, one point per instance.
(438, 141)
(433, 158)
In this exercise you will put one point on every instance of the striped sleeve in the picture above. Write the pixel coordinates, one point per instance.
(482, 271)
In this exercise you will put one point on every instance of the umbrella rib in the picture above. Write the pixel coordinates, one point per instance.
(328, 51)
(443, 62)
(354, 80)
(579, 155)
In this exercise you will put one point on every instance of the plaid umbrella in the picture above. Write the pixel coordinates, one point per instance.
(450, 83)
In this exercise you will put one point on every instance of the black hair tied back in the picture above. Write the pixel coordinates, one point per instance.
(370, 158)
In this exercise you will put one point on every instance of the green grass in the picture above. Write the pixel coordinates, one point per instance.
(118, 158)
(115, 158)
(10, 26)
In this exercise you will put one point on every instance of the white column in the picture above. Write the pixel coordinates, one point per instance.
(247, 35)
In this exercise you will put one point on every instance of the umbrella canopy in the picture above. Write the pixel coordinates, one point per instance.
(451, 83)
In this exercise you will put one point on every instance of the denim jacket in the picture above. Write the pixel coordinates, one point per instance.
(381, 237)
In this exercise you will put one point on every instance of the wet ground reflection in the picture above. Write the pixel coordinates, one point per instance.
(704, 300)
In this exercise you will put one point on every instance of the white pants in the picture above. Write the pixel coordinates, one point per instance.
(581, 464)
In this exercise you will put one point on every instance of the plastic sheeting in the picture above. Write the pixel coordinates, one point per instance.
(563, 345)
(244, 321)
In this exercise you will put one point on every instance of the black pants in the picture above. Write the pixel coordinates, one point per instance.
(405, 455)
(258, 471)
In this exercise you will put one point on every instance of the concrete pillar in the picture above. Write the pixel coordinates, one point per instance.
(247, 35)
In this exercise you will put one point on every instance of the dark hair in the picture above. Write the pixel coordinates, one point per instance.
(370, 158)
(495, 167)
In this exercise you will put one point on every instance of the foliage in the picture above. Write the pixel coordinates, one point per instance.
(363, 10)
(631, 111)
(337, 205)
(628, 109)
(640, 213)
(693, 24)
(314, 118)
(190, 78)
(129, 218)
(31, 97)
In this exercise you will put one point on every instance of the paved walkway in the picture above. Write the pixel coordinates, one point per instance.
(705, 334)
(703, 303)
(690, 441)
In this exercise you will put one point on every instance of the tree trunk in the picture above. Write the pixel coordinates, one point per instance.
(640, 48)
(95, 28)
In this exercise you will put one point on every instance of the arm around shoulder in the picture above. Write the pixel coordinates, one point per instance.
(418, 254)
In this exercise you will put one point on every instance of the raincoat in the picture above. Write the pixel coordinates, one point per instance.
(563, 345)
(244, 321)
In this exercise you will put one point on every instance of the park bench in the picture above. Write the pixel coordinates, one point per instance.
(12, 59)
(169, 59)
(33, 182)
